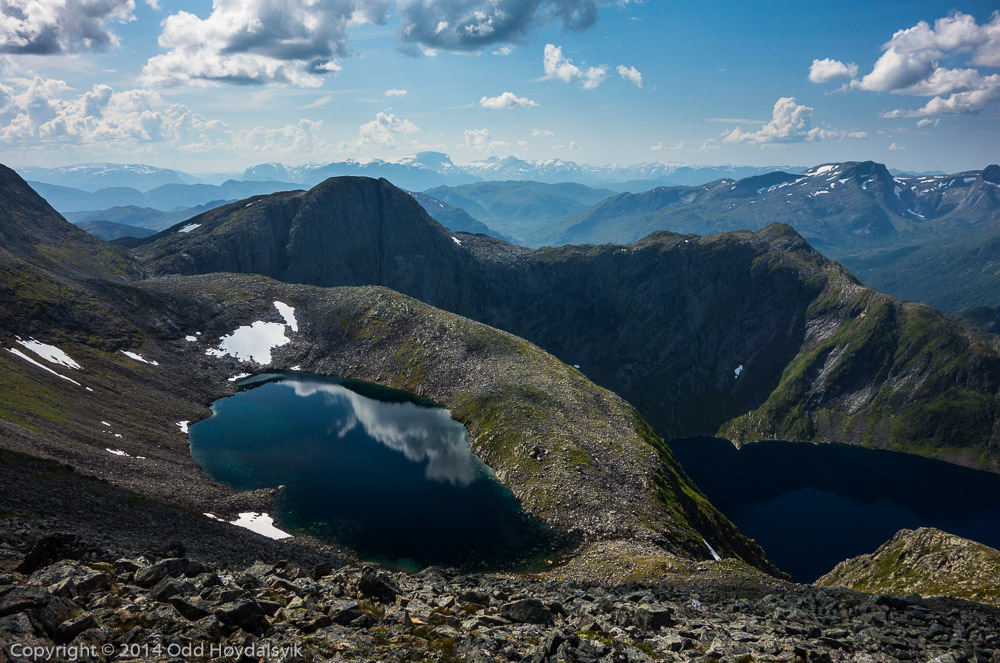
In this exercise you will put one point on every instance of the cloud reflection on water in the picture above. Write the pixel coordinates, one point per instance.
(419, 433)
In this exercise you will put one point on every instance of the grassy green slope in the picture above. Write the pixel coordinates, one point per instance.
(926, 561)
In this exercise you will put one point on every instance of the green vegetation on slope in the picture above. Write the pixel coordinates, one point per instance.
(926, 561)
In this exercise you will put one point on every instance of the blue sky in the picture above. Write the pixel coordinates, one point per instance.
(203, 87)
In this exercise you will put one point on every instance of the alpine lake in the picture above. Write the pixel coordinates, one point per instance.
(392, 477)
(811, 506)
(374, 469)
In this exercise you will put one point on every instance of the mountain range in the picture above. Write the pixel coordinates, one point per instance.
(928, 238)
(110, 351)
(925, 238)
(100, 363)
(752, 335)
(419, 171)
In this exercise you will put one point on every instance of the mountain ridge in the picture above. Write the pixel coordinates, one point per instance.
(753, 335)
(136, 372)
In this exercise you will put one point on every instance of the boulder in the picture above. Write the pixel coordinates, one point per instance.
(526, 611)
(379, 586)
(245, 614)
(175, 567)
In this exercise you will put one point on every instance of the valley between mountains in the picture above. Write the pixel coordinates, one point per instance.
(568, 366)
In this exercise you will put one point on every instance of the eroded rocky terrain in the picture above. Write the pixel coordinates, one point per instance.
(164, 606)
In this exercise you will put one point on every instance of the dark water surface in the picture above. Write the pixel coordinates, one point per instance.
(811, 506)
(371, 468)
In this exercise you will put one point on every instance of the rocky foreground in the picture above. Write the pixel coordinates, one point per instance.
(98, 604)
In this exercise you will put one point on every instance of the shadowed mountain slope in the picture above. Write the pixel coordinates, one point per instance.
(754, 335)
(549, 433)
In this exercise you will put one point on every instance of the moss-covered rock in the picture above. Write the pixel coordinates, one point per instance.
(925, 561)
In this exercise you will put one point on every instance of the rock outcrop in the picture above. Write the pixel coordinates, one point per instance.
(925, 561)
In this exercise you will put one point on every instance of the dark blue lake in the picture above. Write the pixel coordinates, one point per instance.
(811, 506)
(371, 468)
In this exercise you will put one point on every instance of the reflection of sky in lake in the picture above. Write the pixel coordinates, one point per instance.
(419, 433)
(369, 468)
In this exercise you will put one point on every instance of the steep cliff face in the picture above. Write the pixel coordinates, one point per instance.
(753, 335)
(925, 561)
(250, 236)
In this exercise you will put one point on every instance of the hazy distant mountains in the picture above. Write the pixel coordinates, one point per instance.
(524, 211)
(932, 238)
(94, 176)
(431, 169)
(416, 173)
(927, 238)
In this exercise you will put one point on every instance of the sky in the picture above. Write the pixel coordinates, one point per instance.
(217, 86)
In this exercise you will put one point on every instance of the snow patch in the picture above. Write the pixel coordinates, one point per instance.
(138, 357)
(288, 313)
(49, 353)
(969, 180)
(457, 241)
(738, 371)
(104, 423)
(189, 227)
(822, 169)
(28, 359)
(715, 555)
(897, 190)
(239, 376)
(183, 425)
(252, 343)
(190, 339)
(261, 523)
(118, 452)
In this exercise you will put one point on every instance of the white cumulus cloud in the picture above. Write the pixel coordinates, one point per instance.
(631, 74)
(47, 111)
(380, 133)
(919, 61)
(557, 66)
(471, 25)
(46, 27)
(259, 41)
(481, 141)
(507, 100)
(791, 122)
(826, 70)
